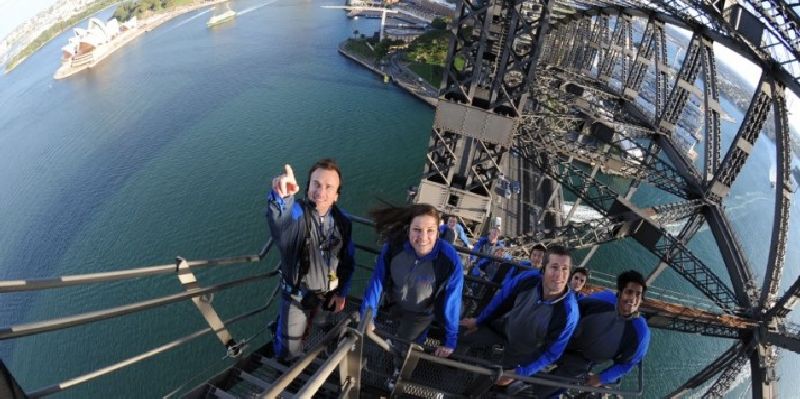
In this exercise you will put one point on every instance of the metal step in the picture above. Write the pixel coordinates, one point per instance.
(220, 393)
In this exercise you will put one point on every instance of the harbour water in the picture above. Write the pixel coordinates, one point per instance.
(166, 149)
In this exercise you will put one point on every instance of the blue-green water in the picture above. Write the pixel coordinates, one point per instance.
(166, 148)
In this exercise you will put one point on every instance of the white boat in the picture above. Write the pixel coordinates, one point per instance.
(228, 15)
(772, 176)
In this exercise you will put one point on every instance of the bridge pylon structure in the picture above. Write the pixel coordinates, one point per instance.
(585, 88)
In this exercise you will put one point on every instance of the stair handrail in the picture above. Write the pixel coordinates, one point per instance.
(346, 345)
(294, 371)
(563, 382)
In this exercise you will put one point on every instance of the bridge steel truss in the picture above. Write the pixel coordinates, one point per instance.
(579, 87)
(491, 62)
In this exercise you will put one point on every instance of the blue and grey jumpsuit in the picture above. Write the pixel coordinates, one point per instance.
(533, 331)
(329, 263)
(418, 289)
(603, 335)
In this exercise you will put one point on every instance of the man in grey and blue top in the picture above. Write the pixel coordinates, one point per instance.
(532, 317)
(314, 239)
(610, 329)
(451, 230)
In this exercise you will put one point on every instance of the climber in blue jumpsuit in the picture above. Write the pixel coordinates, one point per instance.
(421, 275)
(532, 317)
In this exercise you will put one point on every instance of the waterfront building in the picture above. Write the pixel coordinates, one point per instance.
(90, 44)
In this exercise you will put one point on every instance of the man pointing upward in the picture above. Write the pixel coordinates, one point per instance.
(314, 239)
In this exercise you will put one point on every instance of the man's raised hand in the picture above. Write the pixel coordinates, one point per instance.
(285, 184)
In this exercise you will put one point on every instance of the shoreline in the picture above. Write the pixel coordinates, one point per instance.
(409, 87)
(147, 25)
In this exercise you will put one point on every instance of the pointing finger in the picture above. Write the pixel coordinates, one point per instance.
(282, 187)
(288, 170)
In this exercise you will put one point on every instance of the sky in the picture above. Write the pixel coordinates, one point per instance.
(14, 12)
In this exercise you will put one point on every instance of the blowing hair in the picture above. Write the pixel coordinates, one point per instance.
(325, 164)
(391, 222)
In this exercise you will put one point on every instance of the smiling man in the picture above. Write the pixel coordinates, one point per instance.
(314, 238)
(533, 317)
(610, 328)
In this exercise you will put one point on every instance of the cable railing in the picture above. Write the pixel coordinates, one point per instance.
(126, 274)
(72, 382)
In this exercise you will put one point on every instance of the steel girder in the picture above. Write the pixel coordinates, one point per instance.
(618, 48)
(786, 303)
(491, 54)
(675, 211)
(743, 143)
(603, 230)
(644, 58)
(784, 338)
(687, 232)
(497, 43)
(731, 357)
(577, 235)
(693, 327)
(629, 158)
(714, 27)
(726, 378)
(733, 257)
(712, 109)
(700, 54)
(651, 236)
(780, 228)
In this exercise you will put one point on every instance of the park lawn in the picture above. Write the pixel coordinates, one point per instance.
(431, 73)
(360, 48)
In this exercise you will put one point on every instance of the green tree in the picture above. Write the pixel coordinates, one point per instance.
(438, 24)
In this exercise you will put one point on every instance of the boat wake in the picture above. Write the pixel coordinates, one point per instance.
(745, 201)
(190, 19)
(251, 9)
(582, 214)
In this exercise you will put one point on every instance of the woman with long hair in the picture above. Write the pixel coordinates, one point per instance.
(421, 274)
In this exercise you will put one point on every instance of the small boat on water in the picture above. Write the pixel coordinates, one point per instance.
(772, 176)
(228, 15)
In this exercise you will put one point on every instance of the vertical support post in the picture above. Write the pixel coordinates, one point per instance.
(383, 22)
(189, 282)
(350, 367)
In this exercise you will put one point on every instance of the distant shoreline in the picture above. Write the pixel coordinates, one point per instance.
(146, 25)
(407, 86)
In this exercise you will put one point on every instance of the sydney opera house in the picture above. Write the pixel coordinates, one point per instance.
(90, 45)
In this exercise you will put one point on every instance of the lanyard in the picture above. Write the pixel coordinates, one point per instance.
(324, 240)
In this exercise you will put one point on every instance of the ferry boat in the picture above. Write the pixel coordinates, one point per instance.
(226, 16)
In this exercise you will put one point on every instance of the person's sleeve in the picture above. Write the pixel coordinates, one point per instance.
(442, 228)
(462, 235)
(559, 333)
(452, 307)
(478, 267)
(512, 270)
(281, 211)
(372, 294)
(492, 310)
(477, 248)
(619, 370)
(347, 265)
